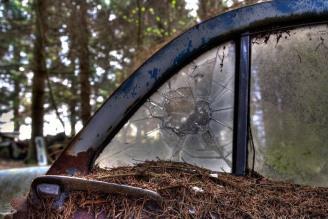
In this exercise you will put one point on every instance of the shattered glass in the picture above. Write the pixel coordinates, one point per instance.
(289, 105)
(188, 119)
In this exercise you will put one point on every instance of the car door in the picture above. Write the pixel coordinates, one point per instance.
(252, 78)
(243, 91)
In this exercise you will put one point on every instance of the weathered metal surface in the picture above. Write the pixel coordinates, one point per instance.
(41, 151)
(15, 183)
(48, 190)
(142, 83)
(241, 113)
(45, 185)
(71, 164)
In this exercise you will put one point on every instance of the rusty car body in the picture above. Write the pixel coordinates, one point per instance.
(237, 26)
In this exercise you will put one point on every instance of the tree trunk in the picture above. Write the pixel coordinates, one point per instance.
(208, 8)
(16, 105)
(84, 62)
(72, 118)
(72, 107)
(139, 27)
(16, 98)
(39, 77)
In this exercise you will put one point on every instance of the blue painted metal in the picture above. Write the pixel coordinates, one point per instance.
(79, 155)
(239, 158)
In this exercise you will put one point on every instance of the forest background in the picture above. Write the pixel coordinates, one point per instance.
(59, 60)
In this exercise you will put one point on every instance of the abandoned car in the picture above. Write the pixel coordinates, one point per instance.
(192, 132)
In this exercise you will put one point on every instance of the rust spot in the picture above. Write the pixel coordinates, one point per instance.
(72, 165)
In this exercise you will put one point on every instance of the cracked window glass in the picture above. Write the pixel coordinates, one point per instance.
(188, 119)
(289, 105)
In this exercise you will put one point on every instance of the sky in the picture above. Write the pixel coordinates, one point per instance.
(193, 6)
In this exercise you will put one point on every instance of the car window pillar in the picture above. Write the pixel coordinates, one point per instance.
(241, 114)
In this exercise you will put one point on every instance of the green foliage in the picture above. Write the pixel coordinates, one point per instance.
(120, 35)
(14, 21)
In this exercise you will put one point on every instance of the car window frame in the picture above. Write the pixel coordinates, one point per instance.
(237, 25)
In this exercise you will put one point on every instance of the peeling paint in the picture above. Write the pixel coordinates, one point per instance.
(154, 73)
